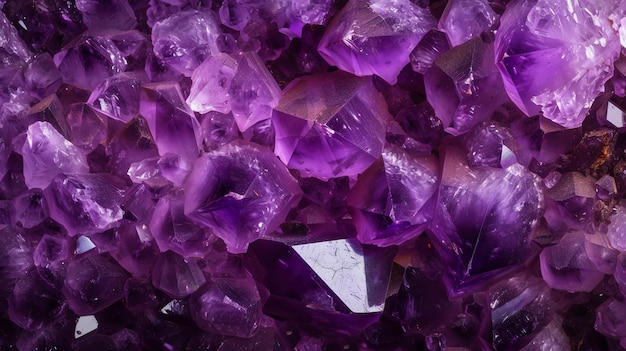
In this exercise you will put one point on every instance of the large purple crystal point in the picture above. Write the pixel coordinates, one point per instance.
(555, 57)
(211, 84)
(47, 153)
(391, 201)
(173, 125)
(227, 306)
(85, 204)
(34, 303)
(241, 191)
(375, 36)
(464, 19)
(87, 126)
(464, 87)
(117, 97)
(30, 208)
(483, 208)
(330, 125)
(93, 283)
(184, 40)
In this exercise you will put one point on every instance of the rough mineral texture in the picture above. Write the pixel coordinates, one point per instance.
(312, 175)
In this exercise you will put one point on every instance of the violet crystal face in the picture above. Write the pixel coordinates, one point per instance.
(312, 175)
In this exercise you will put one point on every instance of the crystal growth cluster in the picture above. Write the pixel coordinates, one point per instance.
(312, 175)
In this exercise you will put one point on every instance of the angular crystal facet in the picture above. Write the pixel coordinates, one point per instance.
(375, 36)
(241, 191)
(555, 57)
(107, 14)
(177, 276)
(483, 208)
(464, 19)
(47, 153)
(330, 125)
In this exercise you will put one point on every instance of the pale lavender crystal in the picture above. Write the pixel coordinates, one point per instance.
(375, 36)
(107, 14)
(392, 200)
(93, 283)
(311, 11)
(483, 208)
(227, 306)
(85, 204)
(218, 129)
(241, 191)
(173, 125)
(117, 97)
(240, 84)
(30, 208)
(555, 57)
(355, 273)
(464, 86)
(47, 153)
(617, 228)
(177, 276)
(464, 19)
(184, 40)
(330, 125)
(235, 14)
(210, 90)
(87, 126)
(172, 230)
(88, 60)
(10, 40)
(566, 266)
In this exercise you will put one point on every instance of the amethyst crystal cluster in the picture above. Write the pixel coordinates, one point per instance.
(308, 175)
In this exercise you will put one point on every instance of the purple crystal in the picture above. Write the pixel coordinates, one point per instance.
(46, 154)
(30, 208)
(87, 126)
(464, 19)
(174, 231)
(556, 58)
(329, 126)
(177, 276)
(392, 199)
(85, 204)
(136, 249)
(482, 208)
(107, 14)
(34, 303)
(173, 125)
(432, 45)
(210, 90)
(241, 191)
(462, 91)
(117, 97)
(228, 307)
(375, 36)
(184, 40)
(93, 283)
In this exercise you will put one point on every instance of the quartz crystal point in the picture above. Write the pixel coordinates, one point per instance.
(464, 86)
(47, 153)
(86, 61)
(30, 208)
(482, 208)
(556, 56)
(241, 191)
(85, 204)
(239, 83)
(433, 44)
(16, 257)
(173, 125)
(184, 40)
(330, 125)
(107, 14)
(136, 249)
(357, 274)
(566, 265)
(177, 276)
(50, 109)
(464, 19)
(393, 200)
(87, 126)
(375, 36)
(117, 97)
(34, 303)
(93, 283)
(173, 231)
(227, 306)
(520, 308)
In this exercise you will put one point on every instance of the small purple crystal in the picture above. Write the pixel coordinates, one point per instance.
(177, 276)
